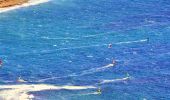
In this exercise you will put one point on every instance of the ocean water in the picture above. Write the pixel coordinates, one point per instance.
(65, 42)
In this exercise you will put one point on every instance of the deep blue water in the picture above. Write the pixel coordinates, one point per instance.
(65, 42)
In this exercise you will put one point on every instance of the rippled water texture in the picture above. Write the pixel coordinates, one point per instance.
(60, 50)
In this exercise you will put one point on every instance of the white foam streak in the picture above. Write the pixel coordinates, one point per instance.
(67, 38)
(98, 45)
(29, 3)
(81, 47)
(114, 80)
(21, 92)
(85, 94)
(128, 42)
(93, 70)
(85, 72)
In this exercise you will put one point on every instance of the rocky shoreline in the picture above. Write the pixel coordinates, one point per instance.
(9, 3)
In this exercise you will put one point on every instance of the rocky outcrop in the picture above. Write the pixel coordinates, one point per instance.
(8, 3)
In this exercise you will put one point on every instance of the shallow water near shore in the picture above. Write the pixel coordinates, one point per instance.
(65, 43)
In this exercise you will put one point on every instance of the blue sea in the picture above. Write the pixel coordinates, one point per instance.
(65, 42)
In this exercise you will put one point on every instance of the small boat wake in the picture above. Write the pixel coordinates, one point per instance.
(114, 80)
(22, 92)
(94, 70)
(85, 72)
(81, 47)
(54, 38)
(29, 3)
(128, 42)
(105, 82)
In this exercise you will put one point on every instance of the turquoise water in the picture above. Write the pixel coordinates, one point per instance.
(65, 42)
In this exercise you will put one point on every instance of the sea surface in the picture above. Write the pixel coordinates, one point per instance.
(65, 42)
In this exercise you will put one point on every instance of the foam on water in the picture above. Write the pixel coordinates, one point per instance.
(143, 40)
(21, 92)
(114, 80)
(81, 47)
(94, 70)
(52, 38)
(29, 3)
(85, 72)
(85, 94)
(70, 32)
